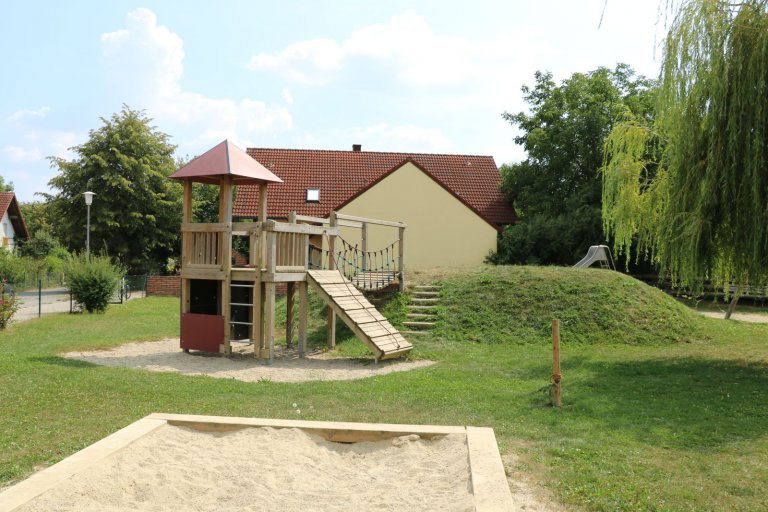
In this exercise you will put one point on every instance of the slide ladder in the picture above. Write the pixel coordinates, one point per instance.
(361, 316)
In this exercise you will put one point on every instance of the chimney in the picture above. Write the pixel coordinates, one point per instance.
(357, 147)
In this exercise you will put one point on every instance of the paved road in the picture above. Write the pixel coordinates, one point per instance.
(51, 300)
(54, 300)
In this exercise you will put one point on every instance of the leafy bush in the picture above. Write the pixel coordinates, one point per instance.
(92, 281)
(9, 305)
(11, 268)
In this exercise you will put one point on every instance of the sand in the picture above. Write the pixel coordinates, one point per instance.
(166, 356)
(255, 469)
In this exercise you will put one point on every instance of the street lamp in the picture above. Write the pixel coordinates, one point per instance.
(88, 202)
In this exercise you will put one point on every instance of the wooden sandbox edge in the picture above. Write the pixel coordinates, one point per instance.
(489, 481)
(489, 484)
(48, 478)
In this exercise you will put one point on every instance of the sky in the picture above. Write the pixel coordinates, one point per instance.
(406, 76)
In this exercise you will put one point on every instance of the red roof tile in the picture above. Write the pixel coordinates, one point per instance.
(343, 175)
(8, 203)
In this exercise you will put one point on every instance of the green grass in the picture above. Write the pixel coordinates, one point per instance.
(663, 409)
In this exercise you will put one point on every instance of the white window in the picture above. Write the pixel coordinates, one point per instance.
(313, 195)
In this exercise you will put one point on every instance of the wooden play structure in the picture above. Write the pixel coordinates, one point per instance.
(223, 302)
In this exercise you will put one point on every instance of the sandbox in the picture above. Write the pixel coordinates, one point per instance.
(185, 462)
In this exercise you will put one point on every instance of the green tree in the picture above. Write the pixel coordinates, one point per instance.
(136, 213)
(5, 187)
(692, 185)
(38, 217)
(556, 190)
(205, 203)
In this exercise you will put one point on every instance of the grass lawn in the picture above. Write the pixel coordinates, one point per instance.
(663, 409)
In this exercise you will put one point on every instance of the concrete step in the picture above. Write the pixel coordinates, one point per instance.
(416, 307)
(423, 302)
(421, 315)
(425, 295)
(417, 325)
(414, 333)
(425, 288)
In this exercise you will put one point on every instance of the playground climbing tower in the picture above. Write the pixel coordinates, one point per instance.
(225, 301)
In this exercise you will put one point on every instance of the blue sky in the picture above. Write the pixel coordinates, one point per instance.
(429, 76)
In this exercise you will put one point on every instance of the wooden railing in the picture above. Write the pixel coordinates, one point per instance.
(287, 245)
(203, 245)
(367, 268)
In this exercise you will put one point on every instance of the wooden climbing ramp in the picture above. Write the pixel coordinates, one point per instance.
(354, 309)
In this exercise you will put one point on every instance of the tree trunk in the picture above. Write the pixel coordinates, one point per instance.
(732, 305)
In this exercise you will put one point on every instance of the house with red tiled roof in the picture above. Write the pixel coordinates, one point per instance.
(451, 203)
(12, 221)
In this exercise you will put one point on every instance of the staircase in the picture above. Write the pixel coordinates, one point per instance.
(422, 311)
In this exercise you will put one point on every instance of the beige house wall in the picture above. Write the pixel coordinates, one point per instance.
(441, 230)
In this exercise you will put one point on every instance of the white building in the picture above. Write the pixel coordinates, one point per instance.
(13, 225)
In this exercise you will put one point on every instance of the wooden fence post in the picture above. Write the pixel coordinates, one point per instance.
(556, 377)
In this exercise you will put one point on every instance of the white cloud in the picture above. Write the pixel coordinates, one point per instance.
(320, 57)
(401, 138)
(145, 62)
(19, 154)
(60, 142)
(21, 114)
(287, 96)
(419, 56)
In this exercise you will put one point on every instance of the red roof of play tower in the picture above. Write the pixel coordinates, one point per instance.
(222, 160)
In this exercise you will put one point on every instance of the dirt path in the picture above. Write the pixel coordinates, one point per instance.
(166, 356)
(756, 318)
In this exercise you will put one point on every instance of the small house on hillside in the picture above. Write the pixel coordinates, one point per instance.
(451, 203)
(13, 224)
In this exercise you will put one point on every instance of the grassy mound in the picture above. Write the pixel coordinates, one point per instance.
(517, 304)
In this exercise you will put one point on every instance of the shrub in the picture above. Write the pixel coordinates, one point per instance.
(8, 306)
(92, 281)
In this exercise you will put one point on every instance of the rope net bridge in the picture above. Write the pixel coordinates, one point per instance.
(367, 270)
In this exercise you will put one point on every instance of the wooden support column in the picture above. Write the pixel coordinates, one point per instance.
(330, 321)
(303, 317)
(186, 217)
(289, 301)
(257, 306)
(364, 244)
(269, 319)
(401, 258)
(225, 252)
(269, 296)
(263, 218)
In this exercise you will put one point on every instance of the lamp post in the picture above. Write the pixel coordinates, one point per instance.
(88, 202)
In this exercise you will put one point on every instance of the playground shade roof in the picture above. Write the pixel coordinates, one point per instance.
(225, 159)
(341, 176)
(9, 204)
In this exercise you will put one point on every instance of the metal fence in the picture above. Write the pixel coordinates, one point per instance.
(50, 295)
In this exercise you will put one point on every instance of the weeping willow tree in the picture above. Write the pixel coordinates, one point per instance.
(691, 189)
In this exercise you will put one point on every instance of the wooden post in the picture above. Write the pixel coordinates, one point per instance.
(186, 217)
(556, 377)
(331, 318)
(289, 300)
(263, 217)
(303, 316)
(401, 258)
(364, 244)
(269, 319)
(257, 333)
(225, 239)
